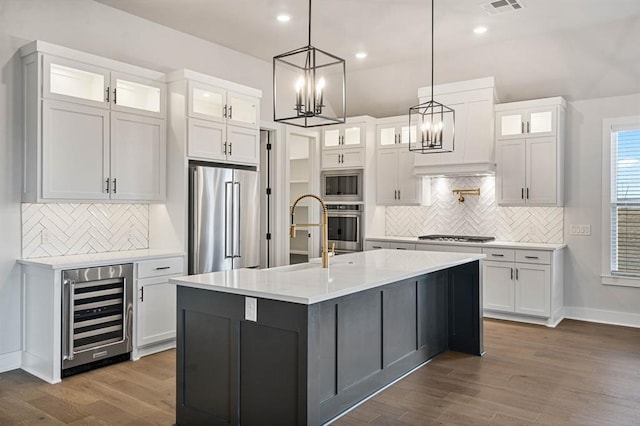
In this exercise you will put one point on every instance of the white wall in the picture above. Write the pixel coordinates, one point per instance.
(98, 29)
(585, 295)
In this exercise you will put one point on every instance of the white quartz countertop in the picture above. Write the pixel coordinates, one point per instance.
(98, 259)
(309, 283)
(495, 244)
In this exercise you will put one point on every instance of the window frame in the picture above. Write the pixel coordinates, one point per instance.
(609, 127)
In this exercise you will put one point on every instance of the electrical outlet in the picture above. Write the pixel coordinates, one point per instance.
(44, 236)
(251, 309)
(580, 229)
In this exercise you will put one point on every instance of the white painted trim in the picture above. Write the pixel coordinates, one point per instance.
(548, 322)
(620, 281)
(531, 104)
(462, 169)
(152, 349)
(10, 361)
(89, 58)
(610, 125)
(627, 319)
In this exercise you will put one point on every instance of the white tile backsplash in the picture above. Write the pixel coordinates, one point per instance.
(477, 215)
(83, 228)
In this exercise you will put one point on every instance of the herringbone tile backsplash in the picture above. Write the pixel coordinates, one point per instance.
(83, 228)
(477, 215)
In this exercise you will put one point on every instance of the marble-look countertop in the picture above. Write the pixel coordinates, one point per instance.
(309, 283)
(98, 259)
(492, 244)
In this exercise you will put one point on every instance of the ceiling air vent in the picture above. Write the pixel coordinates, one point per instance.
(499, 7)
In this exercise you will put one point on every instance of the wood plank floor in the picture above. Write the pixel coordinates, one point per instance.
(577, 374)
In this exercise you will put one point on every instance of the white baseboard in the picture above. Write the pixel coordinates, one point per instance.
(10, 361)
(626, 319)
(152, 349)
(548, 322)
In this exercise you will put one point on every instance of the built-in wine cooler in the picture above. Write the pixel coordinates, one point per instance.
(96, 316)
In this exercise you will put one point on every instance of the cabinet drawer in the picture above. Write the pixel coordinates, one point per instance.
(501, 255)
(402, 246)
(533, 256)
(375, 245)
(159, 267)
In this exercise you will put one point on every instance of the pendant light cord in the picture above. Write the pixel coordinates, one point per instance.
(432, 23)
(309, 44)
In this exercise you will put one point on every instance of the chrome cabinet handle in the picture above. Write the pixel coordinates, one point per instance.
(236, 221)
(224, 148)
(230, 147)
(224, 112)
(228, 219)
(230, 112)
(115, 187)
(71, 304)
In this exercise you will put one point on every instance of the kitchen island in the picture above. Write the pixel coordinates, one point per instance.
(302, 344)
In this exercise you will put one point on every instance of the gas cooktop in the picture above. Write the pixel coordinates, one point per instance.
(457, 238)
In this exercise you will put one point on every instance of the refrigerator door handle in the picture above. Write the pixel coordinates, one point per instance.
(228, 220)
(196, 221)
(236, 220)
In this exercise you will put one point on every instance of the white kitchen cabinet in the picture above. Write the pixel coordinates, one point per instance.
(343, 158)
(350, 135)
(375, 245)
(94, 129)
(138, 157)
(395, 131)
(222, 125)
(155, 306)
(75, 151)
(526, 283)
(530, 153)
(396, 183)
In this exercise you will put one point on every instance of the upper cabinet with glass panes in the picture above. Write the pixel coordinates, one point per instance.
(218, 104)
(393, 132)
(348, 135)
(82, 83)
(526, 122)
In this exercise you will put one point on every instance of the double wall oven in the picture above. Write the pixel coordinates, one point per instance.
(342, 191)
(97, 313)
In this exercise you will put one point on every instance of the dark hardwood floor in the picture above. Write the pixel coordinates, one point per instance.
(577, 374)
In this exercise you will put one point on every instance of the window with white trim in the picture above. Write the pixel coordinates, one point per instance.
(625, 200)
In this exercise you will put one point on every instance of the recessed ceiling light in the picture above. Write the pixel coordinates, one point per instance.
(480, 30)
(361, 55)
(283, 18)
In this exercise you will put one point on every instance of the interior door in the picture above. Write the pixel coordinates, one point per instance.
(246, 222)
(210, 242)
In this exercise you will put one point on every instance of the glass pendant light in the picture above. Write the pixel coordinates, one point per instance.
(309, 86)
(434, 122)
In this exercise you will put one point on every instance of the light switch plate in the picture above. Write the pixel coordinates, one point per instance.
(251, 309)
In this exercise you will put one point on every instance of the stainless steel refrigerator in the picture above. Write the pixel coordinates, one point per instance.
(224, 218)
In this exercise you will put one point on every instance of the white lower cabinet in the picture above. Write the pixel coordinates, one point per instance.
(155, 316)
(377, 245)
(525, 283)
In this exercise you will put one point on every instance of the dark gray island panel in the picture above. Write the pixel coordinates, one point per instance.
(306, 364)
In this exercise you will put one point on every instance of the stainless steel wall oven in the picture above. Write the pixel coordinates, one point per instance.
(97, 313)
(345, 227)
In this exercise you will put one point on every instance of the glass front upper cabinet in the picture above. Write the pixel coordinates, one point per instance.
(342, 136)
(394, 135)
(132, 94)
(530, 122)
(242, 110)
(207, 102)
(75, 82)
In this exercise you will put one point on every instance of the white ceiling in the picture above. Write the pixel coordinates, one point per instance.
(575, 48)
